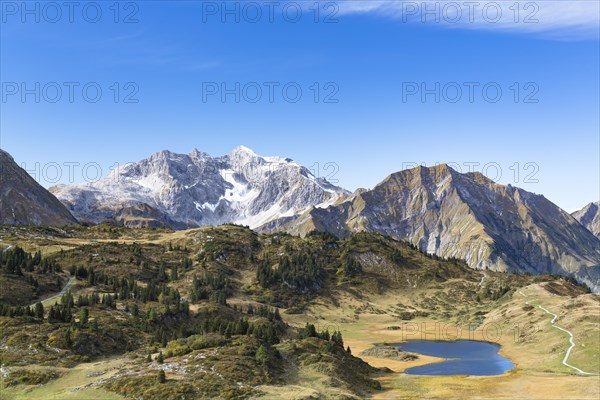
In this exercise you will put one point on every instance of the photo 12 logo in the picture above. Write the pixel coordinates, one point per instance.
(252, 12)
(69, 92)
(52, 172)
(489, 332)
(517, 172)
(269, 92)
(52, 12)
(466, 12)
(469, 92)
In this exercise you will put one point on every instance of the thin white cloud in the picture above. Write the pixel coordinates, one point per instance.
(561, 19)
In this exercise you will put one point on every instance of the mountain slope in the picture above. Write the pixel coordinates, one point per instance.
(196, 189)
(467, 216)
(24, 202)
(589, 216)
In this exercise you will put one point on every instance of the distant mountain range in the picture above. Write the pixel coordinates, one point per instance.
(441, 211)
(189, 190)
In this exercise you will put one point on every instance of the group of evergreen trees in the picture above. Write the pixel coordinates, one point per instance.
(59, 312)
(17, 261)
(16, 311)
(310, 330)
(129, 288)
(350, 266)
(210, 286)
(299, 271)
(267, 331)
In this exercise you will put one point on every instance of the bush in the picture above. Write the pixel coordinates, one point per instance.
(199, 342)
(262, 355)
(28, 377)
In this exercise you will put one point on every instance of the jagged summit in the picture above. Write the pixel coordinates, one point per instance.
(195, 153)
(467, 216)
(243, 150)
(589, 216)
(196, 189)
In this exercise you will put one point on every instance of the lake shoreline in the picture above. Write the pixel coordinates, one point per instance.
(457, 357)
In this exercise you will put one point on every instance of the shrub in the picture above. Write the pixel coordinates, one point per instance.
(28, 377)
(162, 378)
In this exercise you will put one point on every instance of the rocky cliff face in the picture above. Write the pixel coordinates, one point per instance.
(186, 190)
(466, 216)
(589, 216)
(24, 202)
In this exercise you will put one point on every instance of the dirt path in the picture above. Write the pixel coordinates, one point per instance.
(63, 291)
(553, 323)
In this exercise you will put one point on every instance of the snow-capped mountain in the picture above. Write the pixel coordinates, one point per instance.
(186, 190)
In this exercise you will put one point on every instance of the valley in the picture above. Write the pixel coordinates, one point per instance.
(223, 293)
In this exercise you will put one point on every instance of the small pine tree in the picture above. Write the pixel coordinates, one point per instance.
(83, 316)
(262, 355)
(160, 359)
(162, 378)
(68, 339)
(39, 311)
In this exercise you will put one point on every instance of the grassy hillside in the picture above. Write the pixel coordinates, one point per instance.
(223, 311)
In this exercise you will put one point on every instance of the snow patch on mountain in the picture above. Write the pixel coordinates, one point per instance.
(196, 189)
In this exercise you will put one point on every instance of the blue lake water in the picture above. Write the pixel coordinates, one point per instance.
(466, 357)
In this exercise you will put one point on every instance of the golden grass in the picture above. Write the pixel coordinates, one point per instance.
(526, 337)
(78, 383)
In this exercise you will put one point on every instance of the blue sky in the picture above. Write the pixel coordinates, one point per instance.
(373, 59)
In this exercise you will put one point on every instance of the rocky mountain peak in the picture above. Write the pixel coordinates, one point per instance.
(243, 150)
(197, 189)
(197, 154)
(4, 156)
(435, 178)
(25, 202)
(467, 216)
(244, 159)
(589, 216)
(480, 178)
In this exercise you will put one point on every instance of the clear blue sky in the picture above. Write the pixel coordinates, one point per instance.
(371, 54)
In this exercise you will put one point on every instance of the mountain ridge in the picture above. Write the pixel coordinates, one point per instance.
(468, 216)
(25, 202)
(196, 189)
(589, 216)
(439, 210)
